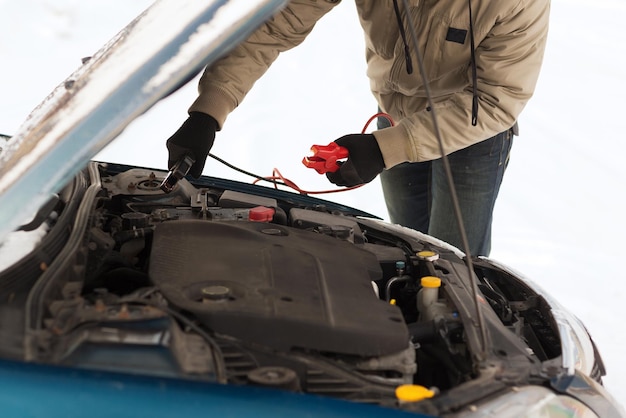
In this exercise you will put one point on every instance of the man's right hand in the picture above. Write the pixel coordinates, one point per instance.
(195, 138)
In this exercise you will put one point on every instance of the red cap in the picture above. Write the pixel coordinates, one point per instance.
(261, 214)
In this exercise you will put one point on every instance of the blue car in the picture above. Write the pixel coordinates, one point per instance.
(136, 291)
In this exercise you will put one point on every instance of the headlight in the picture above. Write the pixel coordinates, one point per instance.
(531, 402)
(576, 346)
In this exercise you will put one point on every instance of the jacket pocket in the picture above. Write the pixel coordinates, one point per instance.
(443, 42)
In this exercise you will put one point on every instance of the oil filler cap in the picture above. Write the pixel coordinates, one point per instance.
(261, 214)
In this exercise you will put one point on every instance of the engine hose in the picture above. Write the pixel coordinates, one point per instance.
(392, 282)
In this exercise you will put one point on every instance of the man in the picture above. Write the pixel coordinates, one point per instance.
(481, 60)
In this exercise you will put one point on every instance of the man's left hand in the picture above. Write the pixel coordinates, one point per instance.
(364, 163)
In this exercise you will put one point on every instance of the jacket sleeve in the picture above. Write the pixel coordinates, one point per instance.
(508, 62)
(224, 84)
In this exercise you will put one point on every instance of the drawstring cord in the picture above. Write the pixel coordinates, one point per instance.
(407, 50)
(474, 72)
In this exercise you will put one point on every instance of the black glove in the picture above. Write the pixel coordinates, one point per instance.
(195, 138)
(364, 163)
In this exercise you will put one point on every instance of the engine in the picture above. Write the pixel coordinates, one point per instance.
(212, 284)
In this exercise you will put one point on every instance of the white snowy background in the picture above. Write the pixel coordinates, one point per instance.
(560, 216)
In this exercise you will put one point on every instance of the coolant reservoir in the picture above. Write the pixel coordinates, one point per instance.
(428, 303)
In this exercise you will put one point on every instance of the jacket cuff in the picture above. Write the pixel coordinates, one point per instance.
(215, 103)
(394, 145)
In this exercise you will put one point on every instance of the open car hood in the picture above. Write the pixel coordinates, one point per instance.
(223, 282)
(146, 61)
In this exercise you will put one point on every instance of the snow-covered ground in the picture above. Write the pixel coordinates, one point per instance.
(560, 215)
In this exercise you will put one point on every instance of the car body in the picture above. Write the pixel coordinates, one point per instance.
(222, 297)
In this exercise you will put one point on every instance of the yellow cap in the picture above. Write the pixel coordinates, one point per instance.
(430, 281)
(392, 301)
(428, 255)
(413, 393)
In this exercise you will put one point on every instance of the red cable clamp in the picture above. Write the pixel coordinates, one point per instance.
(325, 157)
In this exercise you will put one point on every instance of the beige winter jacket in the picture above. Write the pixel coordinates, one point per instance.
(510, 38)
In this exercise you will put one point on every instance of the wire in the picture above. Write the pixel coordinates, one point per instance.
(276, 175)
(277, 179)
(247, 173)
(375, 116)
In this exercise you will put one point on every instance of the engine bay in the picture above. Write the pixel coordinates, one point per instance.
(220, 285)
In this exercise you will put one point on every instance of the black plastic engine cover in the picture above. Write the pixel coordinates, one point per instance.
(277, 286)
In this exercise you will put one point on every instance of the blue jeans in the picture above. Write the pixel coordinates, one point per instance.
(417, 194)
